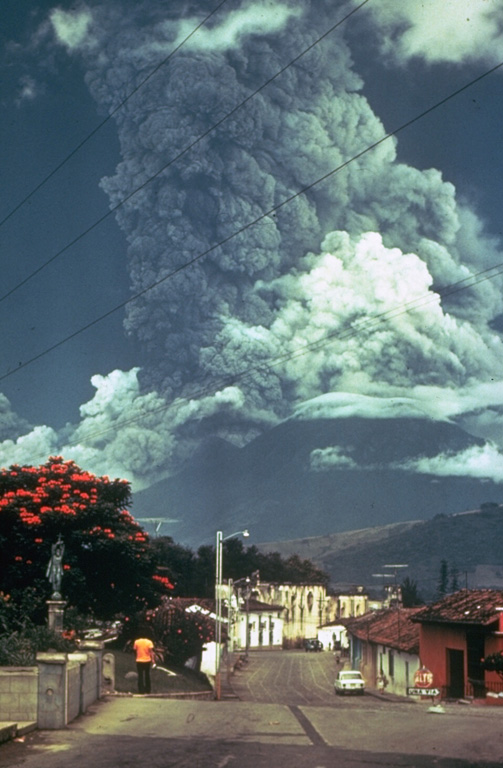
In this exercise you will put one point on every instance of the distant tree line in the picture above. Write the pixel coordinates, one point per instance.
(447, 583)
(448, 579)
(193, 573)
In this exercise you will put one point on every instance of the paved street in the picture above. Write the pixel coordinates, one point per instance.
(294, 678)
(311, 728)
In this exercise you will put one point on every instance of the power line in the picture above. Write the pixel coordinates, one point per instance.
(367, 325)
(255, 221)
(177, 157)
(119, 106)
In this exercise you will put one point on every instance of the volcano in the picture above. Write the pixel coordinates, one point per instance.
(281, 486)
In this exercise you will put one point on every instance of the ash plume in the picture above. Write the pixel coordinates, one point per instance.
(365, 241)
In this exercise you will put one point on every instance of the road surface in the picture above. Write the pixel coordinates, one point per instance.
(314, 730)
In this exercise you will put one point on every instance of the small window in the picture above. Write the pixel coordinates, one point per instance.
(391, 664)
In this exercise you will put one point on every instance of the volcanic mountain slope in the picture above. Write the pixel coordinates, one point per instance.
(282, 487)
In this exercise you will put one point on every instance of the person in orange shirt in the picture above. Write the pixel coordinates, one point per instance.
(144, 649)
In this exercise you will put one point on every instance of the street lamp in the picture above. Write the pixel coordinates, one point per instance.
(218, 599)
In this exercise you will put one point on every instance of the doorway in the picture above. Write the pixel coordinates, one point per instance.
(455, 673)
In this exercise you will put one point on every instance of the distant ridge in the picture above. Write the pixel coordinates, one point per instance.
(271, 486)
(472, 543)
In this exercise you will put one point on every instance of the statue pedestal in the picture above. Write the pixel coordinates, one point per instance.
(56, 610)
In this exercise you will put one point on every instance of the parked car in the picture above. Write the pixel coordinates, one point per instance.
(349, 681)
(313, 644)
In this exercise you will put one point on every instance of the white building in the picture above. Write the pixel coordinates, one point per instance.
(305, 607)
(257, 625)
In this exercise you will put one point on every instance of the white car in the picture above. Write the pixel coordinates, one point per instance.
(349, 681)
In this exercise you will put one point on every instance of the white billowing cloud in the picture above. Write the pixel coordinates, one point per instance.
(479, 405)
(446, 31)
(257, 18)
(97, 443)
(484, 462)
(377, 322)
(342, 405)
(452, 402)
(71, 27)
(322, 459)
(124, 433)
(138, 435)
(32, 448)
(476, 407)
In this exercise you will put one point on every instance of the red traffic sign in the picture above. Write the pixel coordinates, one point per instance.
(423, 678)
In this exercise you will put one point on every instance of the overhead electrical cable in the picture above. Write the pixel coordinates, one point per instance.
(108, 117)
(255, 221)
(177, 157)
(362, 325)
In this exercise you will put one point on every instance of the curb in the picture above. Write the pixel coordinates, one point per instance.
(10, 730)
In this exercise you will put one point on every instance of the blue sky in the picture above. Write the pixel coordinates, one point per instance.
(412, 216)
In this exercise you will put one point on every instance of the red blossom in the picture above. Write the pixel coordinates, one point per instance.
(164, 581)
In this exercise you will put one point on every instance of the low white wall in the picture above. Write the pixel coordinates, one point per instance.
(52, 694)
(90, 681)
(73, 696)
(18, 694)
(208, 660)
(67, 684)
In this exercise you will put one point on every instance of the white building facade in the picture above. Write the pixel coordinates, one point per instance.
(305, 607)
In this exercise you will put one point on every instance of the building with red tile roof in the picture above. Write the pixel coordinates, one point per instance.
(456, 634)
(384, 646)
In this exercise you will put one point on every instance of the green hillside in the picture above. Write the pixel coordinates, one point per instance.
(466, 541)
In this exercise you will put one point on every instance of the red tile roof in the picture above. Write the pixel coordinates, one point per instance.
(468, 606)
(390, 627)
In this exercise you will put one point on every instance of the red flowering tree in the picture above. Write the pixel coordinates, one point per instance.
(107, 565)
(180, 629)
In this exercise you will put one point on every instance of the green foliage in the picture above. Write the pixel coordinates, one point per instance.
(239, 562)
(19, 648)
(181, 566)
(193, 574)
(20, 639)
(443, 580)
(410, 593)
(494, 663)
(108, 568)
(454, 578)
